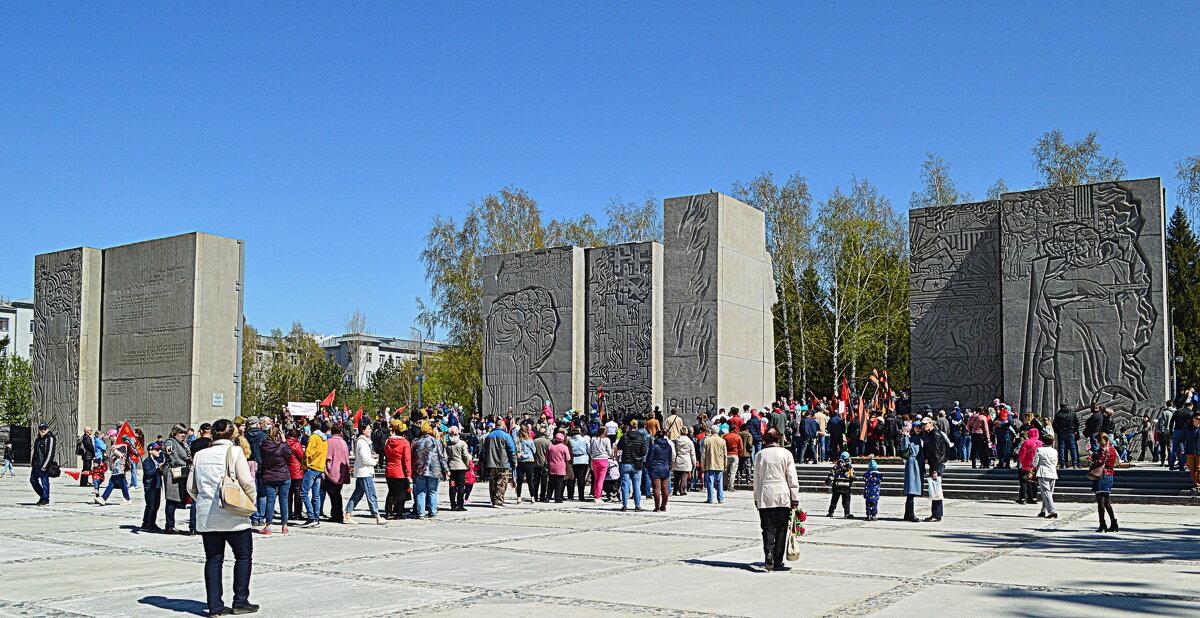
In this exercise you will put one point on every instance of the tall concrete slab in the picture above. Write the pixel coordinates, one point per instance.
(624, 326)
(534, 348)
(718, 285)
(1066, 286)
(66, 344)
(169, 347)
(954, 304)
(1084, 284)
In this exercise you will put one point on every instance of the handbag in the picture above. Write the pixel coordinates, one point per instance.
(53, 470)
(1096, 471)
(233, 498)
(793, 542)
(177, 472)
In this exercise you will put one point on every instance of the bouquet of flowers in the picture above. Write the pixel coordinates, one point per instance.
(798, 519)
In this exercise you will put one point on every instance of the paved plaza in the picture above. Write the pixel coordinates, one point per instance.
(584, 559)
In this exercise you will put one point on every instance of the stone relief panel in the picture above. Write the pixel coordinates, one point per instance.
(954, 302)
(58, 290)
(620, 326)
(690, 307)
(527, 338)
(1082, 274)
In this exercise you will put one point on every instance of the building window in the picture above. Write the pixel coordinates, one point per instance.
(4, 325)
(368, 357)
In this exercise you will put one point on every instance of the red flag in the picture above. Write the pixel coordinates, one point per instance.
(358, 415)
(845, 392)
(402, 408)
(74, 475)
(346, 407)
(136, 452)
(328, 400)
(887, 384)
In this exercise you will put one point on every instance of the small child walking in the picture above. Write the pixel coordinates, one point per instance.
(840, 479)
(8, 460)
(871, 482)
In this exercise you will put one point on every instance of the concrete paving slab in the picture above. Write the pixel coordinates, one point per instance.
(279, 594)
(1023, 523)
(698, 527)
(850, 560)
(57, 523)
(461, 533)
(561, 519)
(1175, 579)
(506, 608)
(12, 550)
(85, 575)
(293, 549)
(694, 588)
(624, 544)
(976, 600)
(928, 537)
(480, 566)
(112, 538)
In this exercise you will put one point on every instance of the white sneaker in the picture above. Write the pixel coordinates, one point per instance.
(379, 521)
(124, 502)
(349, 519)
(99, 501)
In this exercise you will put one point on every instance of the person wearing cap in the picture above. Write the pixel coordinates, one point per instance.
(397, 471)
(840, 481)
(255, 435)
(152, 486)
(41, 462)
(558, 457)
(458, 459)
(429, 468)
(871, 482)
(935, 452)
(713, 457)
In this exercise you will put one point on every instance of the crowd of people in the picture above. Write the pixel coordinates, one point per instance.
(295, 470)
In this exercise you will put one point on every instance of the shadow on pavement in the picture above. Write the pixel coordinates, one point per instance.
(186, 606)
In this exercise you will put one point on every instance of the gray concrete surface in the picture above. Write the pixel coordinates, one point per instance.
(584, 559)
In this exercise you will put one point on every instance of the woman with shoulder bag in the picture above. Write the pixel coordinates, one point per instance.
(176, 460)
(218, 470)
(1104, 460)
(776, 494)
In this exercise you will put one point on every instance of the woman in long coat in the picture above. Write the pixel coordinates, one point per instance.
(914, 477)
(776, 493)
(177, 457)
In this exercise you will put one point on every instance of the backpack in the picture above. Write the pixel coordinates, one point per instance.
(79, 447)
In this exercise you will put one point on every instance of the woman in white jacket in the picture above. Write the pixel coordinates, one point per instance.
(218, 526)
(1045, 462)
(684, 461)
(364, 477)
(776, 494)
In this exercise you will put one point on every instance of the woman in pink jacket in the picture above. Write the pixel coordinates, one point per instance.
(1025, 453)
(337, 473)
(558, 456)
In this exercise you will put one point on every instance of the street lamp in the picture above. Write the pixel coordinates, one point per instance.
(420, 365)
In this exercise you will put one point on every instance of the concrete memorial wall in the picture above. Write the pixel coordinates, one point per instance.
(156, 327)
(1082, 310)
(533, 348)
(684, 324)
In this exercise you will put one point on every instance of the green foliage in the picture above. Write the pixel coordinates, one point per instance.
(997, 189)
(16, 389)
(1183, 294)
(1063, 163)
(937, 187)
(1188, 172)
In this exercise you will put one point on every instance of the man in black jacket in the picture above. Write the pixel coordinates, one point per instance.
(935, 451)
(633, 447)
(87, 451)
(41, 462)
(1066, 427)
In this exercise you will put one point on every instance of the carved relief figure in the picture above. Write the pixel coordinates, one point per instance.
(620, 326)
(519, 337)
(693, 320)
(1089, 281)
(57, 289)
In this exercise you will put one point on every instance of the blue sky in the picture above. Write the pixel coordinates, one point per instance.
(328, 134)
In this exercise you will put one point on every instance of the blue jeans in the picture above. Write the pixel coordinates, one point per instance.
(40, 480)
(366, 487)
(424, 495)
(260, 502)
(1068, 451)
(1003, 444)
(1177, 439)
(631, 483)
(275, 490)
(822, 445)
(7, 468)
(116, 481)
(713, 480)
(133, 476)
(310, 492)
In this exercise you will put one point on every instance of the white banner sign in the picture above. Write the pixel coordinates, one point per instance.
(302, 408)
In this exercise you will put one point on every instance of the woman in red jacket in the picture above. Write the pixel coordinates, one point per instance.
(296, 471)
(398, 471)
(1106, 455)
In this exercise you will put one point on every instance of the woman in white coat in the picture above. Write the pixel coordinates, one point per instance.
(776, 494)
(684, 461)
(218, 526)
(1045, 461)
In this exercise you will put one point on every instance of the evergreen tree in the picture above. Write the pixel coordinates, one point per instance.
(1183, 295)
